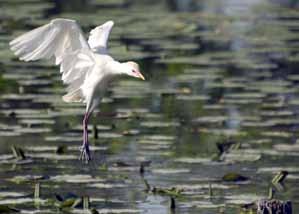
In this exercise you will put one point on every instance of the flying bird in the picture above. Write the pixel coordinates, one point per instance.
(85, 66)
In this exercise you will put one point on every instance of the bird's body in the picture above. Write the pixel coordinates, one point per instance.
(86, 67)
(95, 82)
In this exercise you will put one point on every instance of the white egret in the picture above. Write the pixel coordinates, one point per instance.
(85, 66)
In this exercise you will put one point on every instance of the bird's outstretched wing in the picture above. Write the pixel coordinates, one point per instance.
(58, 38)
(75, 68)
(99, 36)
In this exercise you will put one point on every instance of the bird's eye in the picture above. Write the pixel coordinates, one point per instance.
(134, 71)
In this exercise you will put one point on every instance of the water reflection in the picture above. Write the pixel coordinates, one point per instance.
(221, 96)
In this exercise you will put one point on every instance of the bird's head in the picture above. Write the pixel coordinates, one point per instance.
(132, 69)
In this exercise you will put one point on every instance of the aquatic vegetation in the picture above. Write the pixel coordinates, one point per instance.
(213, 124)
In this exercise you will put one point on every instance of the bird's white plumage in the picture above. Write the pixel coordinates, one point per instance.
(99, 36)
(59, 37)
(64, 40)
(75, 68)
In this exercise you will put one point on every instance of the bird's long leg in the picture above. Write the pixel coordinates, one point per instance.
(85, 152)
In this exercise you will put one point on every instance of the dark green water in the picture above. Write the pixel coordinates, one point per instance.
(216, 71)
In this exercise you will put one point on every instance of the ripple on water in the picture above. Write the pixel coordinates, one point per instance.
(210, 77)
(76, 178)
(170, 171)
(243, 198)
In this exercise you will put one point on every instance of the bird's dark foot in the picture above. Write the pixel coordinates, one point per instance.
(85, 153)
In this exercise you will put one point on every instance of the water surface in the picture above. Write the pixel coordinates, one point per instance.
(218, 73)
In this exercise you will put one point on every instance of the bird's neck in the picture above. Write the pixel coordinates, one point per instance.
(116, 68)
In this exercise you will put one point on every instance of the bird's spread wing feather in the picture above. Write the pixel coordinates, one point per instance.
(58, 38)
(99, 36)
(76, 68)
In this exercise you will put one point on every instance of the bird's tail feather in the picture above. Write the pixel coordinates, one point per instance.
(73, 96)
